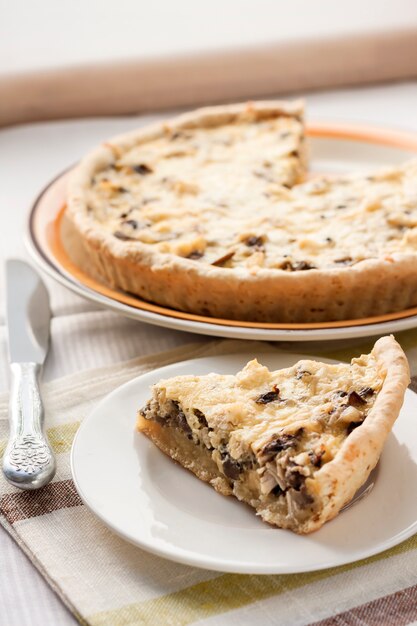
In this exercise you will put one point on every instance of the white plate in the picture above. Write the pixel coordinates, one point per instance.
(146, 498)
(333, 148)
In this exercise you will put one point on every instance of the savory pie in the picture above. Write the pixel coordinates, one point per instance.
(295, 444)
(210, 213)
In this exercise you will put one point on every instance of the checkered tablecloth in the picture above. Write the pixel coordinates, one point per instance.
(106, 582)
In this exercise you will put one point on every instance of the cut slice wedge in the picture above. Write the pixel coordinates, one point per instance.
(295, 444)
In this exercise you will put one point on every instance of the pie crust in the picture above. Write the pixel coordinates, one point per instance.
(295, 444)
(209, 214)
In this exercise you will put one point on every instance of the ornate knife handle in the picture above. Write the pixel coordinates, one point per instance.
(28, 461)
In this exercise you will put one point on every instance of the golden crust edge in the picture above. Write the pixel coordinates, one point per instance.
(181, 284)
(337, 482)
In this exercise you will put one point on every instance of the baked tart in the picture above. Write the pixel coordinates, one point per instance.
(210, 213)
(295, 444)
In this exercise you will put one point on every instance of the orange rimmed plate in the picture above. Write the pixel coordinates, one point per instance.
(334, 148)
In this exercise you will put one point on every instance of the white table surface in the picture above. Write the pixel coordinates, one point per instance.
(83, 336)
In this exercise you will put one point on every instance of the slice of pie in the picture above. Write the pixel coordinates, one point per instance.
(295, 444)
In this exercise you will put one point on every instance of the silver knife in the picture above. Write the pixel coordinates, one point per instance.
(28, 461)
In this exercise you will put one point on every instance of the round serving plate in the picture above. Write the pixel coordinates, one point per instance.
(149, 500)
(333, 149)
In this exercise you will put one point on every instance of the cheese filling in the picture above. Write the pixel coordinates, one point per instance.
(229, 196)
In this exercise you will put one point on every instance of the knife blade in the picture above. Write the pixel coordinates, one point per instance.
(28, 313)
(28, 461)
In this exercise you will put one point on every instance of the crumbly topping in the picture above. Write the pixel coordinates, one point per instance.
(283, 425)
(229, 196)
(199, 193)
